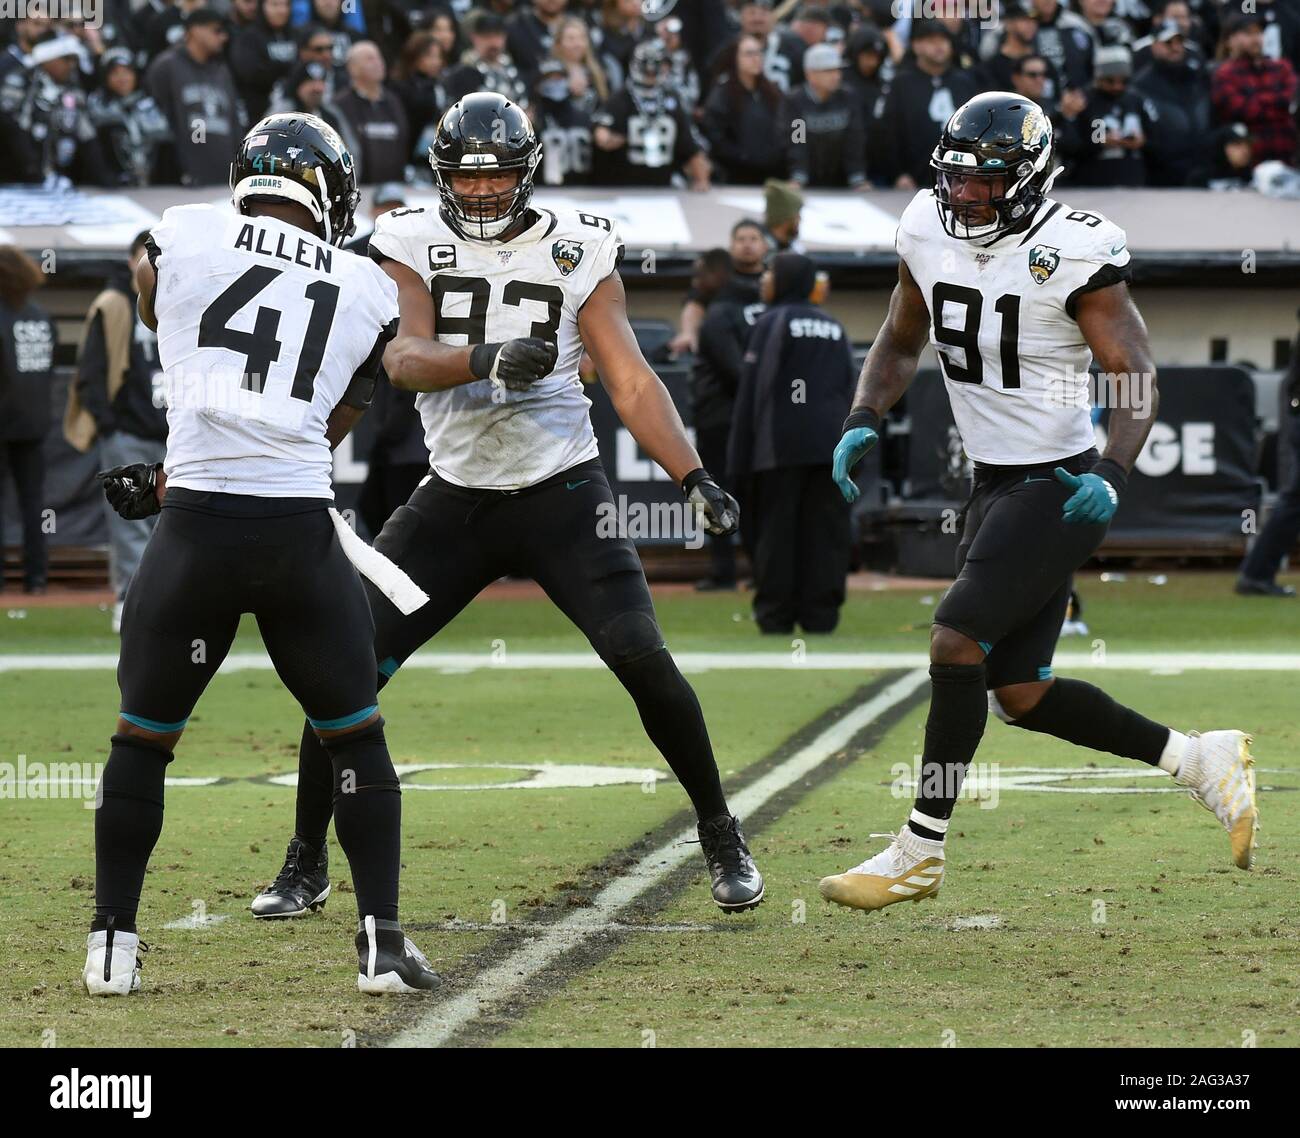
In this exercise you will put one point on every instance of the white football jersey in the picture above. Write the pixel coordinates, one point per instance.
(261, 328)
(1002, 322)
(482, 434)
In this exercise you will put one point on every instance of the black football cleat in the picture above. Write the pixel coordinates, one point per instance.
(388, 963)
(1250, 587)
(302, 885)
(737, 884)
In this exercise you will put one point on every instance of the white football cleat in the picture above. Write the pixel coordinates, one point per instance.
(382, 972)
(910, 868)
(1218, 769)
(112, 967)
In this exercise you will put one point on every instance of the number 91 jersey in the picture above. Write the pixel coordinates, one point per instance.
(1002, 320)
(482, 434)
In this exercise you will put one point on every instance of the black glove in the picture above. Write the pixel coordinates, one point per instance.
(718, 511)
(516, 363)
(132, 490)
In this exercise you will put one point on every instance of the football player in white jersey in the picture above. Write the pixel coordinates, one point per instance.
(270, 336)
(498, 299)
(1018, 295)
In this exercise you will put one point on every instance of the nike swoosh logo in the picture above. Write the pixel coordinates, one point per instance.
(1117, 250)
(575, 485)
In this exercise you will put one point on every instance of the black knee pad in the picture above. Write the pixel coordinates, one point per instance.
(361, 759)
(629, 637)
(135, 770)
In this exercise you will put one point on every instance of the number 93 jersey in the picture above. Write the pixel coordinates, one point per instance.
(262, 329)
(1002, 320)
(482, 434)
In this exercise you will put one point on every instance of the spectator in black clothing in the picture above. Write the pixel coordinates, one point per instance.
(1066, 40)
(164, 25)
(811, 23)
(922, 97)
(45, 127)
(117, 402)
(643, 135)
(446, 31)
(1016, 44)
(377, 118)
(745, 120)
(306, 88)
(828, 139)
(315, 45)
(243, 14)
(1177, 100)
(486, 66)
(130, 124)
(329, 16)
(685, 79)
(1107, 149)
(530, 33)
(26, 31)
(715, 374)
(783, 50)
(622, 26)
(865, 53)
(795, 389)
(1231, 161)
(193, 87)
(27, 342)
(1107, 29)
(748, 251)
(1029, 77)
(417, 82)
(261, 53)
(571, 87)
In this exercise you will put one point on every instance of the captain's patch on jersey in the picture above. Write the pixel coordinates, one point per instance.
(1043, 260)
(567, 255)
(442, 256)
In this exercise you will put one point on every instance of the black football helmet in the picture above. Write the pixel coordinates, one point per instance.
(995, 135)
(484, 132)
(299, 158)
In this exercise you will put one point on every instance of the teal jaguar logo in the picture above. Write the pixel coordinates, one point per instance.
(567, 255)
(1043, 261)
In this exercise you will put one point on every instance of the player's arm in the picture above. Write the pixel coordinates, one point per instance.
(889, 367)
(342, 419)
(644, 405)
(1117, 335)
(415, 361)
(146, 282)
(361, 390)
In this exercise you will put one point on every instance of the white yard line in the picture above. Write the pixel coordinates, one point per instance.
(514, 973)
(726, 661)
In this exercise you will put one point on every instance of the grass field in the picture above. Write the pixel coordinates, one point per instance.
(1102, 919)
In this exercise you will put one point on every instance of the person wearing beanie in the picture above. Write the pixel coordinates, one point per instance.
(796, 385)
(782, 203)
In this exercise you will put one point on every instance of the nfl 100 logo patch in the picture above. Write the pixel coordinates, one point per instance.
(1043, 261)
(567, 255)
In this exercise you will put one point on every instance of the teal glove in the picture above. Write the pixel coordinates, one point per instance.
(1094, 500)
(851, 450)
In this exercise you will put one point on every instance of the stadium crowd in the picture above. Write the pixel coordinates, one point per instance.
(654, 92)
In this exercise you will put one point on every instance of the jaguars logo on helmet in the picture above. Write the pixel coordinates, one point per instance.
(484, 133)
(298, 158)
(1005, 141)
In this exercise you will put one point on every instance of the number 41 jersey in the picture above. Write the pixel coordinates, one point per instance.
(262, 327)
(1002, 320)
(482, 434)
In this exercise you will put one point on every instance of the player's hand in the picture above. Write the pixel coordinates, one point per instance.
(1094, 500)
(133, 490)
(516, 363)
(717, 510)
(851, 450)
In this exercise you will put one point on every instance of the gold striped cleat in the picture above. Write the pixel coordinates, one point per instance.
(908, 869)
(1219, 770)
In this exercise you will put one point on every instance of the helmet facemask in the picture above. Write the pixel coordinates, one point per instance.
(993, 214)
(486, 216)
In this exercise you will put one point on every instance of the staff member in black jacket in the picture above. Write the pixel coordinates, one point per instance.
(117, 399)
(730, 311)
(795, 389)
(26, 360)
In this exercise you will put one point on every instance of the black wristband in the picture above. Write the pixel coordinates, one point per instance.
(1112, 472)
(482, 358)
(863, 417)
(694, 478)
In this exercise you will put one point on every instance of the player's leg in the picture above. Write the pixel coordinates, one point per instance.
(1015, 556)
(598, 583)
(179, 622)
(317, 626)
(432, 541)
(1215, 766)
